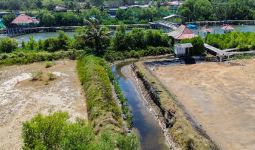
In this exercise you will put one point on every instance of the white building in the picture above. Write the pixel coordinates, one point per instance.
(182, 49)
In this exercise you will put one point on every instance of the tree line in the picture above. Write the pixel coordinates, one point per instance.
(69, 4)
(99, 40)
(74, 18)
(199, 10)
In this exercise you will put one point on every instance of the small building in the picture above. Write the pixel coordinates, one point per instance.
(182, 32)
(60, 9)
(24, 20)
(182, 49)
(227, 28)
(2, 26)
(174, 18)
(3, 13)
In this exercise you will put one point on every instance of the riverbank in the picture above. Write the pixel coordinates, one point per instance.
(183, 130)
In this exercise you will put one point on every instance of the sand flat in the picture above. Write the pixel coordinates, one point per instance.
(219, 96)
(21, 98)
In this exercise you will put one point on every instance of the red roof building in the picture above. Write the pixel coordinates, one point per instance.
(25, 20)
(227, 27)
(182, 32)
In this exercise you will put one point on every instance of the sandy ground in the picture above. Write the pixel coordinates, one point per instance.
(220, 97)
(21, 98)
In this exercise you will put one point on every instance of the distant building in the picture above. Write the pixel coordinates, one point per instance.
(60, 9)
(227, 28)
(182, 49)
(2, 26)
(176, 3)
(24, 20)
(182, 32)
(3, 13)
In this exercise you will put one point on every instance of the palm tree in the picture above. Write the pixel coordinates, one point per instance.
(96, 36)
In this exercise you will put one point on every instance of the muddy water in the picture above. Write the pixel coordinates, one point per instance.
(151, 135)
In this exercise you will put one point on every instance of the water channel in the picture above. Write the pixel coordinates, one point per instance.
(151, 134)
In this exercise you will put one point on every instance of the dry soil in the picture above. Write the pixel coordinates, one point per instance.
(21, 98)
(219, 96)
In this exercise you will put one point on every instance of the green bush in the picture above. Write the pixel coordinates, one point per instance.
(198, 45)
(49, 64)
(30, 57)
(150, 51)
(55, 132)
(243, 41)
(8, 45)
(138, 39)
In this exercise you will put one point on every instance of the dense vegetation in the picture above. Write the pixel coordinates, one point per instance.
(93, 39)
(198, 46)
(69, 4)
(25, 57)
(243, 41)
(103, 110)
(145, 15)
(56, 132)
(201, 10)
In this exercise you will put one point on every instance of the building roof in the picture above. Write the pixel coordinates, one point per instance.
(182, 32)
(173, 3)
(184, 45)
(60, 8)
(2, 26)
(207, 30)
(24, 19)
(227, 27)
(173, 16)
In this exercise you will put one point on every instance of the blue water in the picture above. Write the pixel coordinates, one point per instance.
(218, 30)
(42, 36)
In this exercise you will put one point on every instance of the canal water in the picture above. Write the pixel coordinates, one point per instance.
(38, 36)
(218, 30)
(151, 134)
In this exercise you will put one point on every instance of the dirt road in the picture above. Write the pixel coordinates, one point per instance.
(21, 98)
(220, 97)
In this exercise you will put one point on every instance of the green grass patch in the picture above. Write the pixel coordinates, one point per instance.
(24, 57)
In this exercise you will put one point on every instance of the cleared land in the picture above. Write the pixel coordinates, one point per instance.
(21, 98)
(219, 97)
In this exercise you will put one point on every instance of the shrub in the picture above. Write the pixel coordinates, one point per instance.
(49, 64)
(150, 51)
(198, 45)
(30, 57)
(8, 45)
(55, 132)
(231, 40)
(51, 76)
(37, 76)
